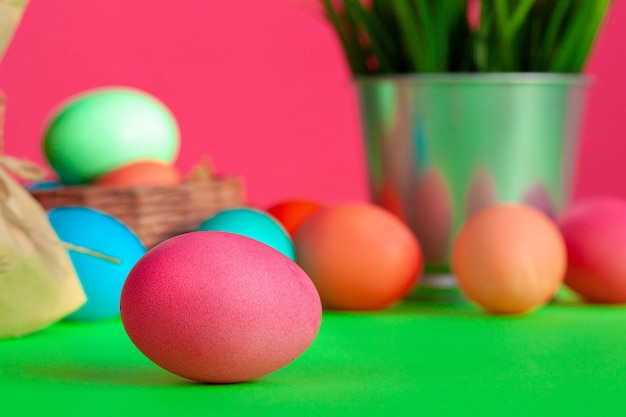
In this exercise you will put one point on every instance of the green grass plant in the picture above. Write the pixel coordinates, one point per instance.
(433, 36)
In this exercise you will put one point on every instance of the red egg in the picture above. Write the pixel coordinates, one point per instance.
(219, 307)
(509, 259)
(360, 256)
(595, 237)
(141, 173)
(292, 213)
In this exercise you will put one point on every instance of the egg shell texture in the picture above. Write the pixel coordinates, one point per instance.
(595, 236)
(219, 307)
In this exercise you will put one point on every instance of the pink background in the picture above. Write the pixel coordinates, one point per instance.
(261, 88)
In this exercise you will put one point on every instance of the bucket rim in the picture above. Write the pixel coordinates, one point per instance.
(478, 78)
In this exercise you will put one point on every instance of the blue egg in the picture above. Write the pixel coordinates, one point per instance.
(252, 223)
(101, 279)
(43, 185)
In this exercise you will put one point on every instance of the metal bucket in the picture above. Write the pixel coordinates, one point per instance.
(441, 147)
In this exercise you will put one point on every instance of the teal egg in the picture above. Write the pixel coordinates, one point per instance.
(252, 223)
(102, 129)
(102, 280)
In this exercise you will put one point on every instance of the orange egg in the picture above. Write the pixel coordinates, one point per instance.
(509, 259)
(359, 256)
(141, 173)
(292, 213)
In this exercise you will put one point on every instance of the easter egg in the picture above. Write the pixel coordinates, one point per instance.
(102, 129)
(141, 173)
(252, 223)
(219, 307)
(292, 213)
(102, 279)
(509, 259)
(359, 256)
(595, 236)
(43, 186)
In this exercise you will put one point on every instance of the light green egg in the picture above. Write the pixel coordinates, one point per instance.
(102, 129)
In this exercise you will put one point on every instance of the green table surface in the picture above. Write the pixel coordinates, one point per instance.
(435, 358)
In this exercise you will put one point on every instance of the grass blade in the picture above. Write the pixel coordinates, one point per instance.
(413, 44)
(519, 17)
(434, 35)
(579, 36)
(501, 39)
(588, 37)
(554, 21)
(382, 46)
(353, 52)
(425, 19)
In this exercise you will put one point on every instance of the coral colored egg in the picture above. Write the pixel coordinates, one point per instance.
(219, 307)
(141, 173)
(292, 213)
(360, 256)
(509, 259)
(595, 237)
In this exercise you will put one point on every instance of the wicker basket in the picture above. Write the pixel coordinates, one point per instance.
(154, 213)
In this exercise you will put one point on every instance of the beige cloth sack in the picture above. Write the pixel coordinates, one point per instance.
(10, 16)
(38, 284)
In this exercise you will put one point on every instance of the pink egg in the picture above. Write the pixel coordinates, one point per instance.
(219, 307)
(595, 237)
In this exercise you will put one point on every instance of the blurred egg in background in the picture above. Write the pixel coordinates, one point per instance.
(99, 130)
(253, 223)
(141, 173)
(359, 256)
(291, 213)
(43, 185)
(102, 280)
(509, 259)
(595, 236)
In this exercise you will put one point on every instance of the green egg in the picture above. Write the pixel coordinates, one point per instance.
(102, 129)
